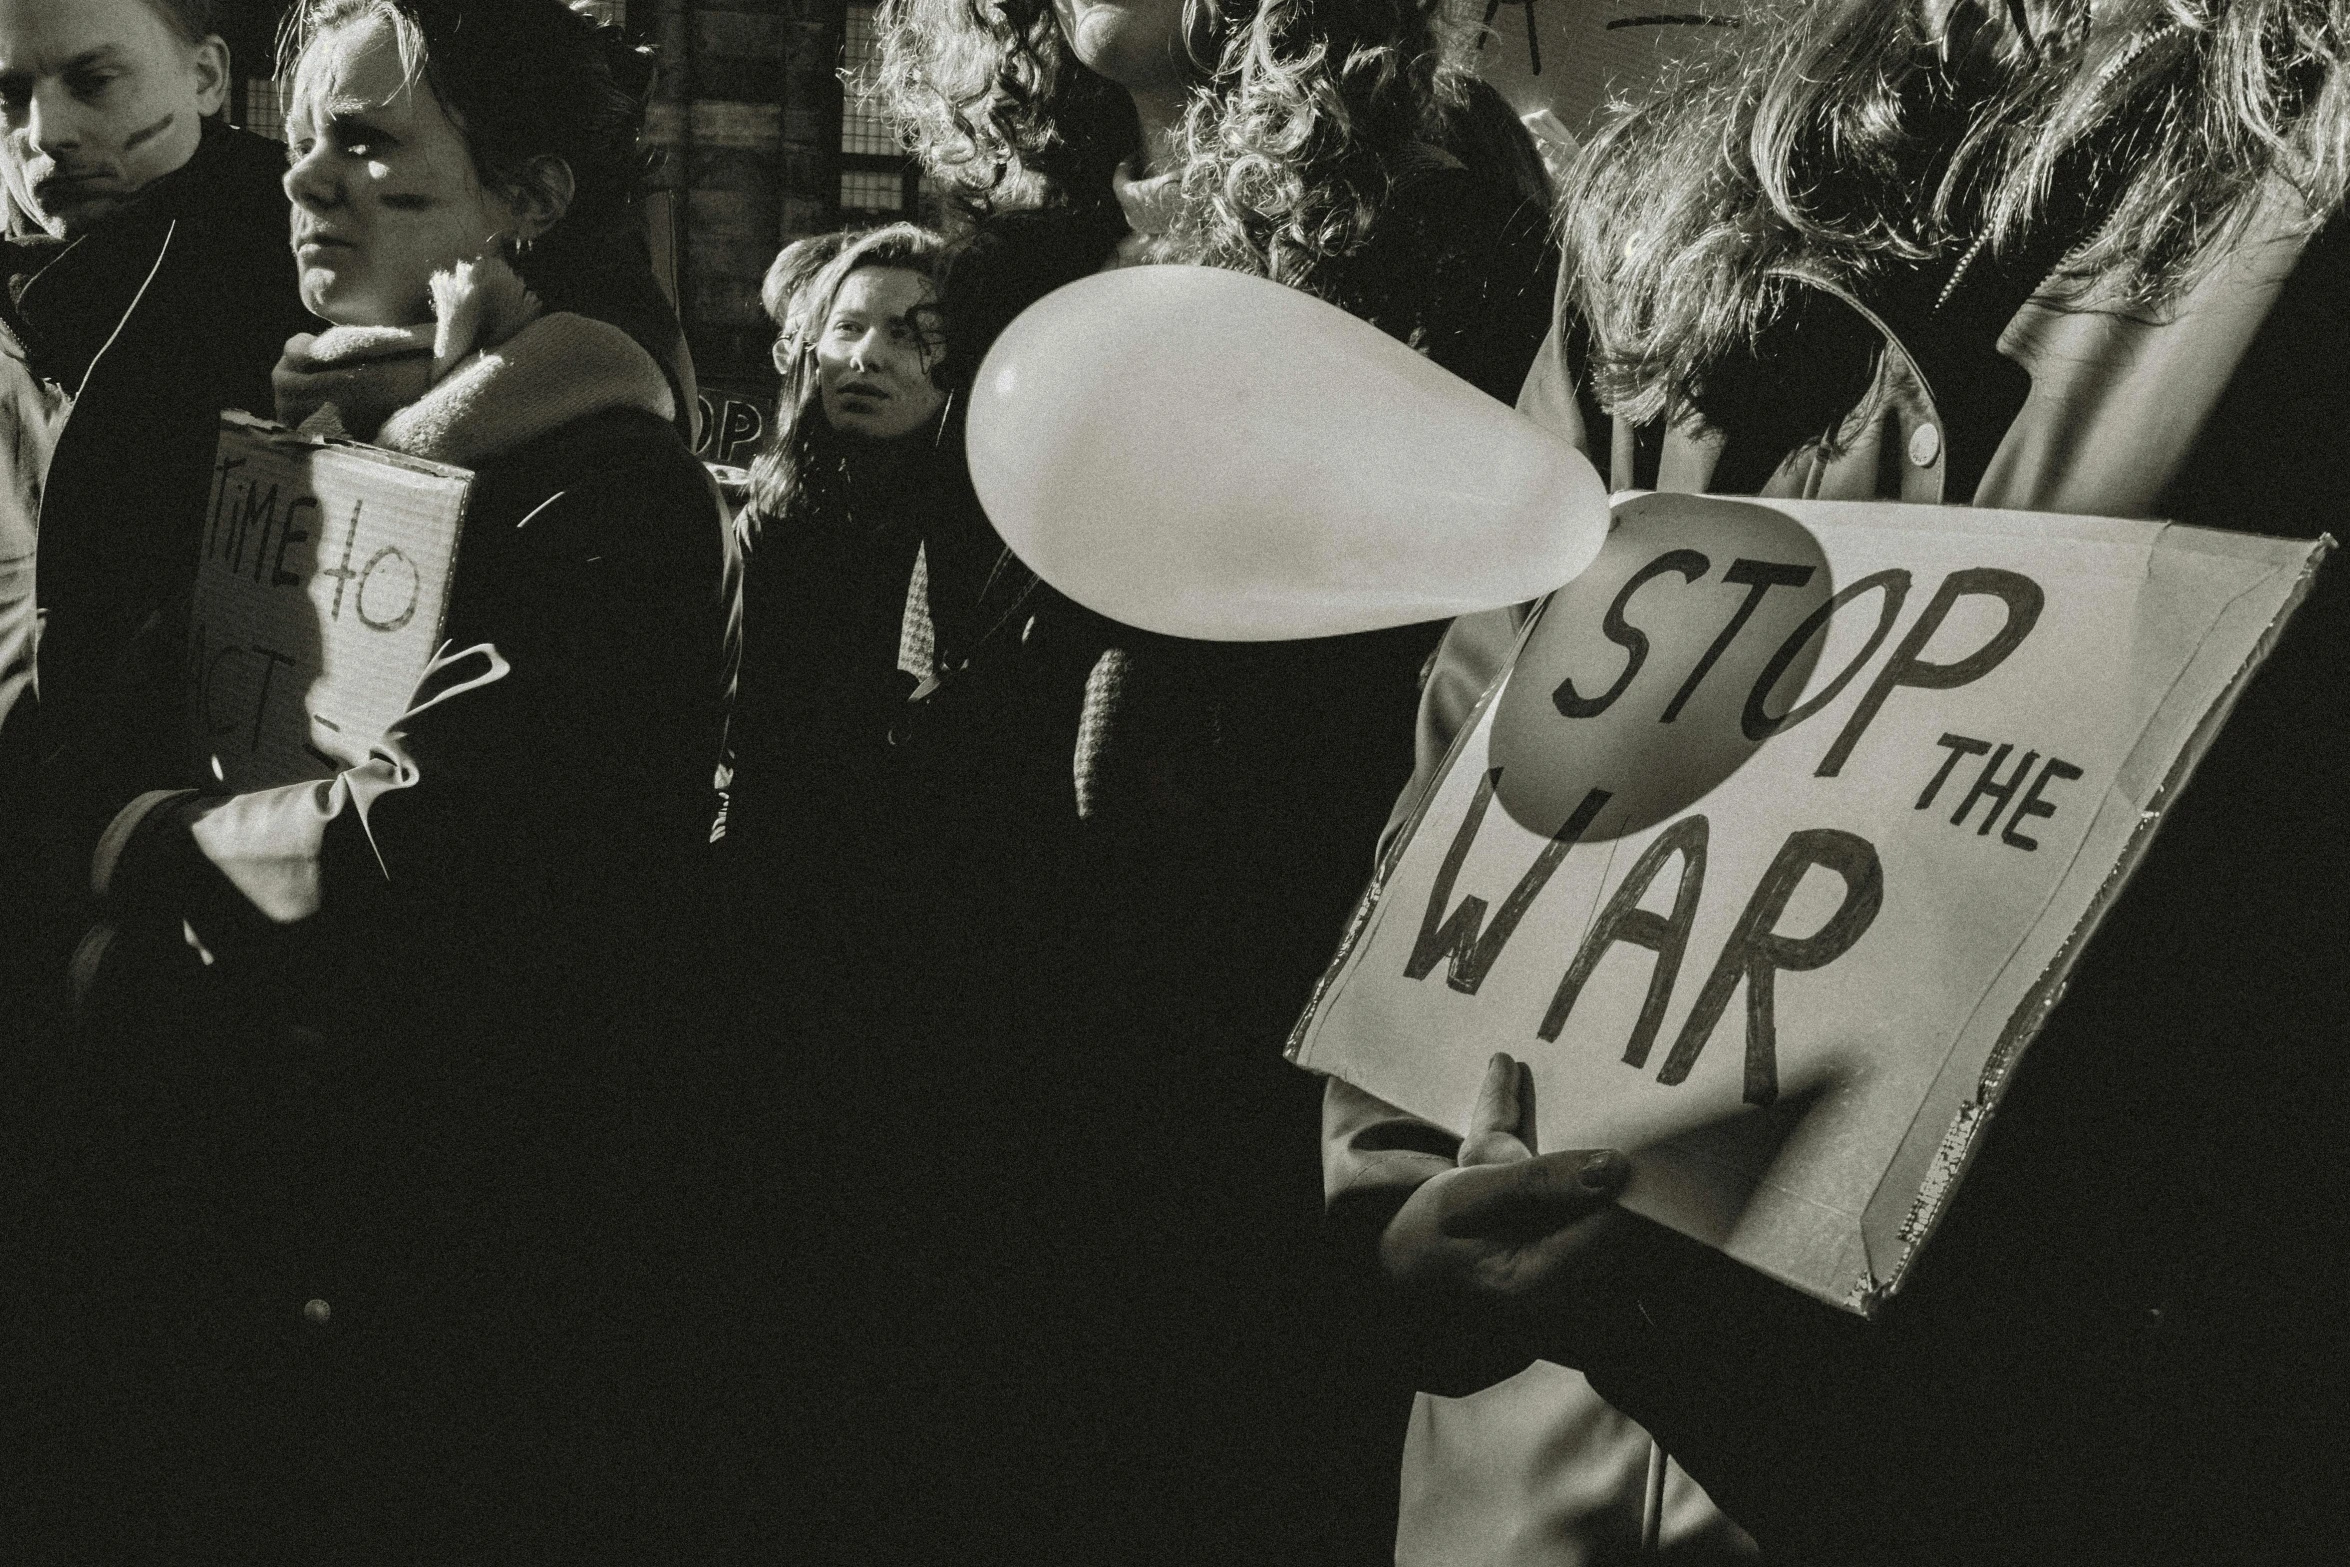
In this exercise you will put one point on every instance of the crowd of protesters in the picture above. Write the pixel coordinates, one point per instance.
(777, 1055)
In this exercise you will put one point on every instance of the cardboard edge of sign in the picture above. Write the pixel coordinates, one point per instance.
(1925, 1205)
(270, 432)
(277, 434)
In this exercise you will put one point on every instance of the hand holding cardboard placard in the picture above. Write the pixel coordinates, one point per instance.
(1508, 1220)
(1772, 849)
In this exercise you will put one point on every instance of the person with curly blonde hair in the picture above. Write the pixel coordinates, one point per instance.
(1318, 144)
(1100, 869)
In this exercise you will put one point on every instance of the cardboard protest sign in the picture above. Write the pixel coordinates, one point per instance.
(319, 600)
(1773, 848)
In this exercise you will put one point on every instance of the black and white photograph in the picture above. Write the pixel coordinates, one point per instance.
(1174, 783)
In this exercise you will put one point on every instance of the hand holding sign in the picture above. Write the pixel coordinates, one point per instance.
(1775, 846)
(1207, 454)
(320, 590)
(1508, 1222)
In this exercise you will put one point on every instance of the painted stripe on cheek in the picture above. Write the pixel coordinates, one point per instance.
(138, 139)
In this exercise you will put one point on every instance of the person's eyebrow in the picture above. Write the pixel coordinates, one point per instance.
(356, 119)
(88, 60)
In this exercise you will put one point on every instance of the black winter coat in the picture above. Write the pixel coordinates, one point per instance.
(462, 1104)
(168, 312)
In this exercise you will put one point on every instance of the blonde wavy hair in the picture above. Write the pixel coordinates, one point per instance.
(1306, 111)
(1849, 138)
(1313, 104)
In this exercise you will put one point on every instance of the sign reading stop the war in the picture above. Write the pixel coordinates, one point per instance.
(1772, 849)
(319, 600)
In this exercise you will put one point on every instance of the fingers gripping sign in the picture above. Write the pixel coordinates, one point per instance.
(1508, 1221)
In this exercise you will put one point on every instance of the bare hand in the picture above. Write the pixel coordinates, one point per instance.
(1508, 1221)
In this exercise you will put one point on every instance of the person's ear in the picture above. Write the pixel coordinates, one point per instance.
(542, 196)
(211, 61)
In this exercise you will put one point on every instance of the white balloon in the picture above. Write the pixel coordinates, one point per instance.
(1207, 454)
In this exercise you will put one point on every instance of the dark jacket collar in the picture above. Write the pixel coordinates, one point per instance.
(64, 299)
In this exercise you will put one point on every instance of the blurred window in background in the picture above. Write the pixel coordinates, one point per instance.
(878, 181)
(258, 104)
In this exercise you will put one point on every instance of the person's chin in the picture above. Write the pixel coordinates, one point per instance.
(870, 423)
(72, 216)
(330, 296)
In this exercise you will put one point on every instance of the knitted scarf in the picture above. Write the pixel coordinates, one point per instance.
(492, 371)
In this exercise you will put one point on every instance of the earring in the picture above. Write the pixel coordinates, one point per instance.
(515, 248)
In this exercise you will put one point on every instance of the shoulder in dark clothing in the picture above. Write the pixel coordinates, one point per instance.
(1009, 261)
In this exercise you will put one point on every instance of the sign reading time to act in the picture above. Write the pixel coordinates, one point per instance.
(320, 595)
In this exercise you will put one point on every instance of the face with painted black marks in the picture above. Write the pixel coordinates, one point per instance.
(98, 100)
(383, 183)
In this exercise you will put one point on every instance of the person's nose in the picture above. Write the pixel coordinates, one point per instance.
(870, 352)
(310, 182)
(52, 122)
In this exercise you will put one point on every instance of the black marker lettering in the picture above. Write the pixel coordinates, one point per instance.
(279, 576)
(2032, 805)
(1958, 745)
(2024, 600)
(223, 468)
(261, 704)
(1987, 787)
(1756, 953)
(1630, 638)
(1666, 935)
(389, 554)
(258, 508)
(343, 573)
(214, 724)
(1759, 575)
(1457, 936)
(1759, 725)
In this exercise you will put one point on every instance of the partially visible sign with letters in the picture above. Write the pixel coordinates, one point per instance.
(1772, 850)
(320, 596)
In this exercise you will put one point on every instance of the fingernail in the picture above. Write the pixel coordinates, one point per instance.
(1603, 1171)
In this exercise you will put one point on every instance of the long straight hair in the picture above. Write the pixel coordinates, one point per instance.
(804, 464)
(1847, 138)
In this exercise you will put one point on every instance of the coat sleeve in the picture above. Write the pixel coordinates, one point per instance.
(1373, 1154)
(560, 737)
